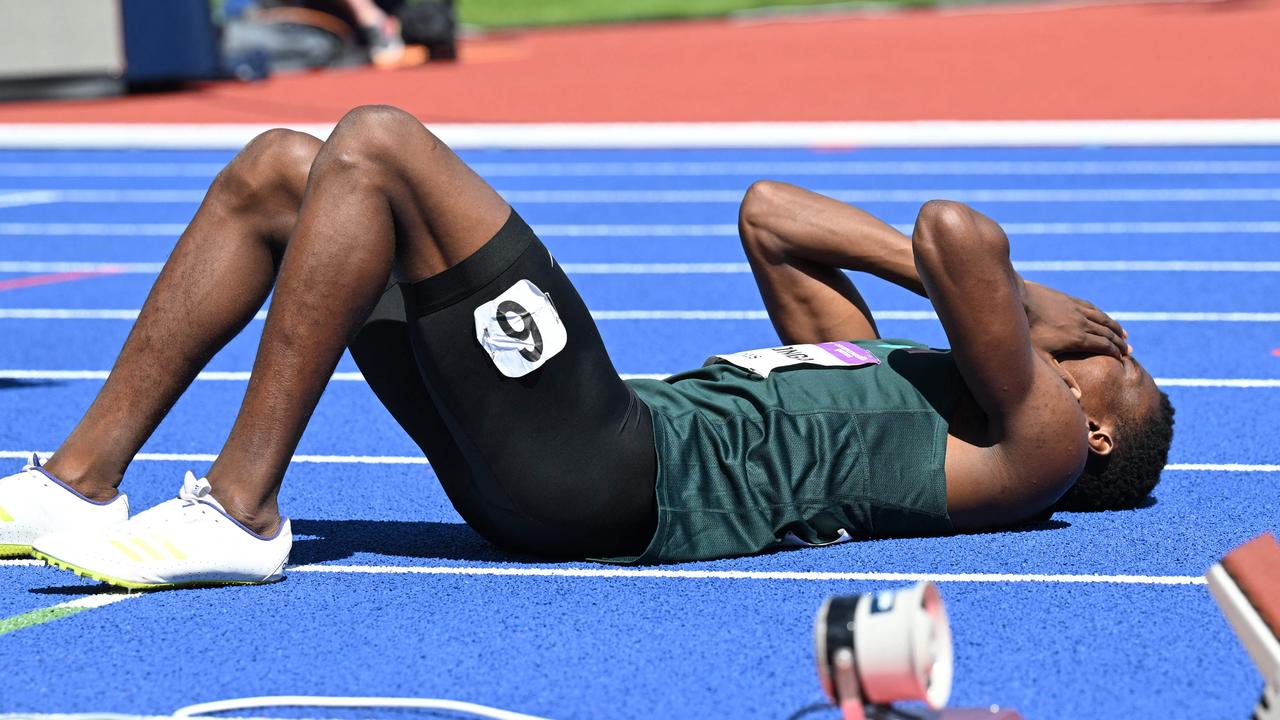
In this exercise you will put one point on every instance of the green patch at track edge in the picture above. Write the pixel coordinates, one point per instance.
(37, 617)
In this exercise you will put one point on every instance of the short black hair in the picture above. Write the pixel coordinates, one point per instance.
(1121, 479)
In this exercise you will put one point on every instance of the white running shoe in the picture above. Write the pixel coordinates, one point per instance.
(33, 503)
(189, 541)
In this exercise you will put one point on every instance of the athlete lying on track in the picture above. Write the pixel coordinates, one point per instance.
(486, 355)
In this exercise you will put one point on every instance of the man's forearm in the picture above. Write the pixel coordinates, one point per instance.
(828, 232)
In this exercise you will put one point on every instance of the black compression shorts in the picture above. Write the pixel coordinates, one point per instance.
(496, 370)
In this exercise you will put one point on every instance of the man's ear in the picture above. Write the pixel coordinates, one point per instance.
(1100, 440)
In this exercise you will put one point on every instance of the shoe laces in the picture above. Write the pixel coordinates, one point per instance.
(194, 499)
(194, 489)
(33, 464)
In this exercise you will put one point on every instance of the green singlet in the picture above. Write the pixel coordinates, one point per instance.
(809, 454)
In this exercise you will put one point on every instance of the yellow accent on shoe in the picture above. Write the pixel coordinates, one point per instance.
(128, 552)
(12, 551)
(5, 516)
(173, 550)
(142, 544)
(130, 585)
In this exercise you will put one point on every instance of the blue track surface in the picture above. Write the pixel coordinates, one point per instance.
(636, 647)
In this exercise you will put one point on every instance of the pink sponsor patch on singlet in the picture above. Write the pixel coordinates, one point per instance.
(828, 354)
(849, 353)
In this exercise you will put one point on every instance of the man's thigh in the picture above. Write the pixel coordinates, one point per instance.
(384, 355)
(523, 382)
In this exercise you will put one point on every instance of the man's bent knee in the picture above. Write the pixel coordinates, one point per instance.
(759, 204)
(272, 167)
(377, 134)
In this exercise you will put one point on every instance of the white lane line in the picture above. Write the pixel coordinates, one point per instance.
(720, 268)
(581, 197)
(43, 266)
(419, 460)
(1222, 467)
(1229, 227)
(888, 168)
(608, 315)
(701, 135)
(243, 376)
(20, 563)
(131, 716)
(750, 574)
(61, 611)
(210, 457)
(1071, 195)
(1219, 382)
(208, 170)
(1121, 315)
(24, 198)
(852, 168)
(173, 230)
(166, 230)
(1197, 266)
(125, 716)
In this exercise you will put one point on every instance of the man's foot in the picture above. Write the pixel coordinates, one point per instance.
(33, 503)
(189, 541)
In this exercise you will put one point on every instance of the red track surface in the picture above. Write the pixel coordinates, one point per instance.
(1163, 60)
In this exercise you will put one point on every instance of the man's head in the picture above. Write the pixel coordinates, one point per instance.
(1130, 426)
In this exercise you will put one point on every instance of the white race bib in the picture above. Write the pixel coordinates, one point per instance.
(520, 329)
(828, 354)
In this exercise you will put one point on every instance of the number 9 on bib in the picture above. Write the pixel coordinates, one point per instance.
(520, 329)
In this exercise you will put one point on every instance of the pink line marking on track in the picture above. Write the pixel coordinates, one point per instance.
(51, 278)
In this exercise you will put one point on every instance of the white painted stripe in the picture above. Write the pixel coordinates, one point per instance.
(681, 315)
(1265, 317)
(88, 602)
(704, 268)
(941, 133)
(210, 457)
(126, 716)
(173, 230)
(20, 563)
(1020, 195)
(661, 573)
(143, 168)
(166, 230)
(40, 266)
(243, 376)
(1139, 228)
(746, 169)
(587, 197)
(1198, 266)
(1222, 467)
(127, 196)
(1264, 227)
(594, 231)
(1120, 315)
(24, 198)
(419, 460)
(130, 716)
(1014, 229)
(889, 168)
(1219, 382)
(65, 314)
(208, 375)
(606, 315)
(718, 268)
(722, 268)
